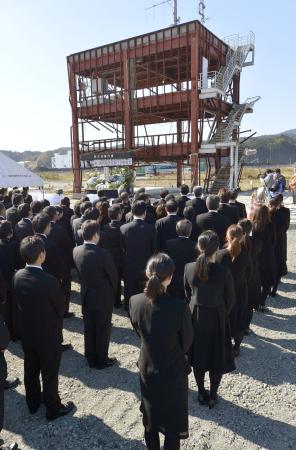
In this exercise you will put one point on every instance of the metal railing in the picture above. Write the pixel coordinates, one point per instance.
(161, 139)
(101, 145)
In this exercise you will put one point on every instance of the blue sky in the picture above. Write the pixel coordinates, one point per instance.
(37, 35)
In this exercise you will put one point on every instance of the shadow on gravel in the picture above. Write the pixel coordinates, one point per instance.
(262, 431)
(70, 432)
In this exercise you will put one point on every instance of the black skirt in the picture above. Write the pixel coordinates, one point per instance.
(165, 407)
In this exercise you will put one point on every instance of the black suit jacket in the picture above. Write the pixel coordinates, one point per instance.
(213, 221)
(59, 236)
(10, 260)
(166, 230)
(40, 308)
(199, 205)
(23, 229)
(65, 221)
(138, 244)
(53, 264)
(110, 239)
(228, 211)
(12, 216)
(76, 226)
(241, 209)
(182, 251)
(98, 277)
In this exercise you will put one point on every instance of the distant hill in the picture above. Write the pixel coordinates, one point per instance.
(291, 133)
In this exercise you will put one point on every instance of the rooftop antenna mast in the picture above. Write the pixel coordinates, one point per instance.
(201, 11)
(174, 4)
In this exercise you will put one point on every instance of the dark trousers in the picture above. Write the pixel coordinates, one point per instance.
(66, 287)
(44, 361)
(215, 380)
(97, 330)
(3, 375)
(132, 286)
(153, 443)
(118, 290)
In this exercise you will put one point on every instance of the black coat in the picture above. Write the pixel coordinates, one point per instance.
(165, 329)
(40, 308)
(12, 216)
(54, 263)
(181, 204)
(286, 212)
(65, 221)
(279, 220)
(4, 341)
(267, 267)
(138, 244)
(23, 229)
(210, 304)
(213, 221)
(199, 206)
(182, 251)
(241, 207)
(76, 226)
(254, 292)
(166, 229)
(110, 239)
(10, 260)
(59, 236)
(98, 277)
(241, 269)
(232, 213)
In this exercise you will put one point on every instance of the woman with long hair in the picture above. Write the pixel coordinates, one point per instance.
(163, 323)
(264, 230)
(253, 247)
(237, 259)
(279, 220)
(210, 293)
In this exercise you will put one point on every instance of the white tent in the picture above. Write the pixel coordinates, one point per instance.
(13, 174)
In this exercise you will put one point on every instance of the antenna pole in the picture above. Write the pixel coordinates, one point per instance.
(175, 9)
(201, 11)
(176, 20)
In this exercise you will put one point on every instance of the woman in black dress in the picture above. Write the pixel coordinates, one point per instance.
(210, 291)
(237, 259)
(264, 230)
(164, 325)
(281, 225)
(253, 247)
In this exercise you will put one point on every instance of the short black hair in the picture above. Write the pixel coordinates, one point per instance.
(17, 199)
(40, 222)
(164, 193)
(188, 212)
(36, 207)
(197, 190)
(23, 210)
(171, 206)
(89, 229)
(5, 229)
(114, 212)
(184, 189)
(84, 206)
(233, 194)
(212, 202)
(45, 203)
(184, 228)
(65, 202)
(169, 197)
(30, 249)
(139, 208)
(50, 211)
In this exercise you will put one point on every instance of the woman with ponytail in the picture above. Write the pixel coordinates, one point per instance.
(163, 323)
(210, 293)
(236, 258)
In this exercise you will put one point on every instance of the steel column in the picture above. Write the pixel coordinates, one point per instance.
(194, 110)
(75, 133)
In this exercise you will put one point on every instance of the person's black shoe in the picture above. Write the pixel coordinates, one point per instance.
(68, 315)
(33, 409)
(203, 397)
(11, 384)
(213, 400)
(247, 332)
(64, 409)
(236, 352)
(109, 363)
(66, 347)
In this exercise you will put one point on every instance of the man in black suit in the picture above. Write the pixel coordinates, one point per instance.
(98, 279)
(53, 263)
(65, 220)
(126, 205)
(2, 211)
(24, 227)
(224, 209)
(11, 213)
(183, 199)
(27, 197)
(212, 220)
(4, 341)
(40, 307)
(138, 243)
(182, 251)
(198, 203)
(241, 207)
(111, 240)
(166, 226)
(77, 223)
(59, 236)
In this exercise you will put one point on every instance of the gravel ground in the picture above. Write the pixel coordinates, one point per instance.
(256, 409)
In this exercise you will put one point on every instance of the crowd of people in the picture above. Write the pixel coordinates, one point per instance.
(193, 271)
